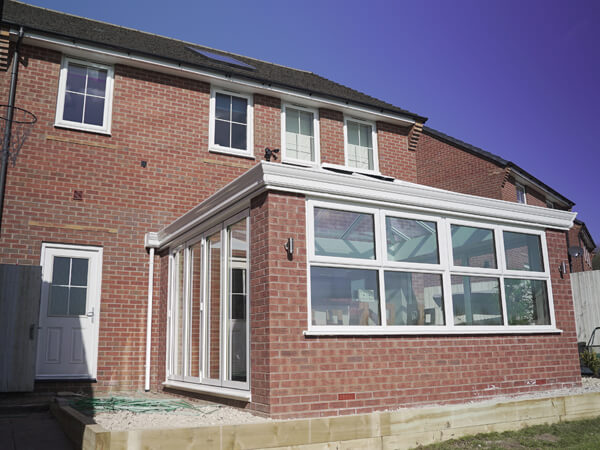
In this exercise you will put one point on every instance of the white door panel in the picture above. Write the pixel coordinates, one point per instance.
(69, 311)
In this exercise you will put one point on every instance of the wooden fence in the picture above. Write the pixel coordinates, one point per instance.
(19, 316)
(586, 299)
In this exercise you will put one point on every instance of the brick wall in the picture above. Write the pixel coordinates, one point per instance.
(319, 376)
(394, 157)
(446, 167)
(331, 125)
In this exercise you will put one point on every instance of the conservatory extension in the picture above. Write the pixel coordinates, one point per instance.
(300, 291)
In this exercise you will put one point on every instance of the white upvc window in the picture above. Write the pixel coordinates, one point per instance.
(300, 134)
(208, 312)
(549, 204)
(231, 123)
(521, 196)
(85, 94)
(360, 145)
(378, 271)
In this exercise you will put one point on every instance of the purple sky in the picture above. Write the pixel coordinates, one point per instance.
(520, 79)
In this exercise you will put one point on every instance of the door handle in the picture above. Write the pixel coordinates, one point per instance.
(91, 315)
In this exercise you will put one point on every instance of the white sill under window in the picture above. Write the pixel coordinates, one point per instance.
(80, 127)
(216, 391)
(431, 330)
(351, 169)
(231, 152)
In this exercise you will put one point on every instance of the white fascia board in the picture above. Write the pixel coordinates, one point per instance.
(402, 194)
(319, 183)
(244, 187)
(86, 51)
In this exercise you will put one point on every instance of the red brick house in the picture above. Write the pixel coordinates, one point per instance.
(449, 163)
(324, 282)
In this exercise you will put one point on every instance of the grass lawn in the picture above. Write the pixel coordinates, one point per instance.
(580, 434)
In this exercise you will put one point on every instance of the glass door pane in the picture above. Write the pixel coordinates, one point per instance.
(195, 312)
(179, 315)
(212, 362)
(237, 320)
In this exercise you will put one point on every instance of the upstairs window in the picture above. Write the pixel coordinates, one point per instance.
(231, 123)
(520, 193)
(84, 96)
(299, 137)
(361, 145)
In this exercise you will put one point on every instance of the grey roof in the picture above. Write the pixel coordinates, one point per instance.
(55, 23)
(492, 158)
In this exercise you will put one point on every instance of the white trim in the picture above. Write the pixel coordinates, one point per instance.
(211, 390)
(108, 97)
(316, 134)
(212, 147)
(82, 50)
(397, 195)
(375, 155)
(431, 330)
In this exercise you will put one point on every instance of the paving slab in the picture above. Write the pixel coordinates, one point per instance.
(32, 431)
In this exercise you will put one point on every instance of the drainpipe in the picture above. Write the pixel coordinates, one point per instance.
(8, 127)
(149, 319)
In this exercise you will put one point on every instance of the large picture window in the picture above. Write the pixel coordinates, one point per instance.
(376, 270)
(208, 308)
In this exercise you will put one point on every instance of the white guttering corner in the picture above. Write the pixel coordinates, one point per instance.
(81, 50)
(322, 183)
(150, 241)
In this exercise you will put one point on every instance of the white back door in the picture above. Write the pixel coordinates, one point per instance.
(69, 312)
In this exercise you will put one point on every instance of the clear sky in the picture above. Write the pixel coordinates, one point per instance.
(518, 78)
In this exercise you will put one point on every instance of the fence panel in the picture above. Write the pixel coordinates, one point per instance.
(19, 316)
(586, 299)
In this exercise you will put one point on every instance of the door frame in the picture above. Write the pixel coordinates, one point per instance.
(95, 285)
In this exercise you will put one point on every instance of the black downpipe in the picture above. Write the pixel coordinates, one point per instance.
(9, 121)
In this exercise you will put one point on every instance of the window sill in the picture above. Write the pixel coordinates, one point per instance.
(351, 169)
(234, 394)
(66, 126)
(411, 331)
(299, 162)
(224, 151)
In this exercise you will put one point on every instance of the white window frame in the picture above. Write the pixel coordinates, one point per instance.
(221, 387)
(519, 186)
(375, 170)
(108, 99)
(316, 134)
(212, 147)
(549, 204)
(445, 268)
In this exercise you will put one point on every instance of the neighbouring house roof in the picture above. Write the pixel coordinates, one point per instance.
(319, 182)
(494, 159)
(586, 236)
(56, 23)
